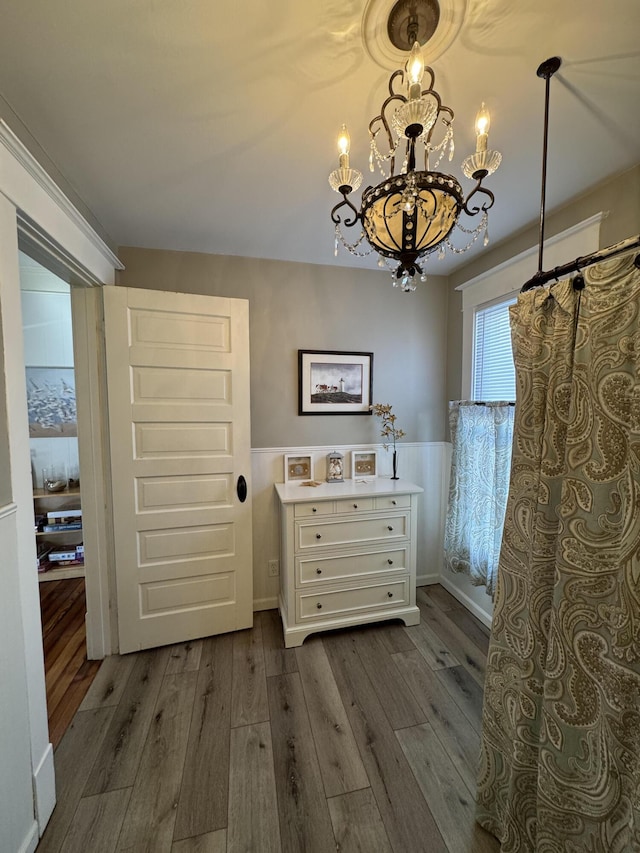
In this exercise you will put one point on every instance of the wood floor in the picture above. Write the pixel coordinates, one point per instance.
(360, 740)
(68, 673)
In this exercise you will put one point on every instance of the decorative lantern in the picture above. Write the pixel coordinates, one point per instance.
(335, 467)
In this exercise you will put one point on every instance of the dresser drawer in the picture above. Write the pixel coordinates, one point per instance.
(373, 597)
(355, 505)
(348, 531)
(314, 570)
(393, 502)
(310, 510)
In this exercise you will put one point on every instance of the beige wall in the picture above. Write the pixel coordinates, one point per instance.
(304, 306)
(619, 198)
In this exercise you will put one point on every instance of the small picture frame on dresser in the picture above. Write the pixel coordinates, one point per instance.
(298, 467)
(364, 464)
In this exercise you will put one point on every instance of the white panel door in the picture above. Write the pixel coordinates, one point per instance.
(178, 385)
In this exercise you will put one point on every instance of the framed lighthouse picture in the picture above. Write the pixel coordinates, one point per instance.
(334, 383)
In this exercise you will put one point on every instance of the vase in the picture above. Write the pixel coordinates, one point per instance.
(394, 476)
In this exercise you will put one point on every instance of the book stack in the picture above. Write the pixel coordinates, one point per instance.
(62, 521)
(68, 555)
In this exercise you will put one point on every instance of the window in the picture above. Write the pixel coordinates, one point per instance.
(501, 284)
(493, 370)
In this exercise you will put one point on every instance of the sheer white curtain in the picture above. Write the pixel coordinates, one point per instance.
(481, 435)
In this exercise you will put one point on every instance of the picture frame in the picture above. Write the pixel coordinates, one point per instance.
(51, 402)
(298, 467)
(332, 382)
(364, 464)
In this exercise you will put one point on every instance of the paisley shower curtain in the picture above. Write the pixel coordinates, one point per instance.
(560, 757)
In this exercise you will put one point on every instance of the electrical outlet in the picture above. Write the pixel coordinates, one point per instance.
(274, 568)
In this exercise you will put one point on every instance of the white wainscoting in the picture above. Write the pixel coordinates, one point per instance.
(424, 463)
(18, 824)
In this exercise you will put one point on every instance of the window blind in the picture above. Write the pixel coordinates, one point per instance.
(493, 369)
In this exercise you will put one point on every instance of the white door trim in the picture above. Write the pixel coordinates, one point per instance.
(100, 585)
(26, 183)
(27, 191)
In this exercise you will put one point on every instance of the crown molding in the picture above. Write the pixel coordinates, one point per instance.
(28, 162)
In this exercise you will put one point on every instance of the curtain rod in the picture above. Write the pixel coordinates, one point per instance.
(483, 402)
(559, 272)
(546, 70)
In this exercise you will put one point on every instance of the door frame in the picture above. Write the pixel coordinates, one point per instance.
(35, 206)
(94, 463)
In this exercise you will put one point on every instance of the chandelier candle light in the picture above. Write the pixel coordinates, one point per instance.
(411, 214)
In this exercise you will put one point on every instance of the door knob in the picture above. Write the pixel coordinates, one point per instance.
(241, 489)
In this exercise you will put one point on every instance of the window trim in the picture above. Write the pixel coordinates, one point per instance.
(497, 284)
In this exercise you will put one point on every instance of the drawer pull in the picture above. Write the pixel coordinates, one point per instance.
(394, 503)
(389, 527)
(390, 595)
(390, 562)
(318, 571)
(319, 606)
(318, 536)
(355, 506)
(313, 509)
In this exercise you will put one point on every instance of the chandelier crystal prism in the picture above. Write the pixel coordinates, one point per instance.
(413, 211)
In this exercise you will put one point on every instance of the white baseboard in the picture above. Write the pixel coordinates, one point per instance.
(425, 580)
(265, 603)
(31, 839)
(44, 788)
(471, 605)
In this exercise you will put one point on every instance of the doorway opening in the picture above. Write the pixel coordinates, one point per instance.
(57, 503)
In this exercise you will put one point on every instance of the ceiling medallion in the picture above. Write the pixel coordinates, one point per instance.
(384, 29)
(412, 212)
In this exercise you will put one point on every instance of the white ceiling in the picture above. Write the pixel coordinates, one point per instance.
(210, 126)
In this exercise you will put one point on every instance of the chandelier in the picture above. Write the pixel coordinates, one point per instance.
(413, 211)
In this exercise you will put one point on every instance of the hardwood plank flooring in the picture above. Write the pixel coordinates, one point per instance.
(74, 759)
(340, 763)
(463, 647)
(405, 813)
(304, 815)
(97, 822)
(68, 673)
(360, 741)
(202, 807)
(119, 758)
(357, 824)
(253, 807)
(151, 814)
(249, 694)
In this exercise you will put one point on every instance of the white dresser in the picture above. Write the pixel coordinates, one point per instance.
(348, 555)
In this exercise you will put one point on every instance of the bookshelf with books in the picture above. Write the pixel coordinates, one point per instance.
(58, 531)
